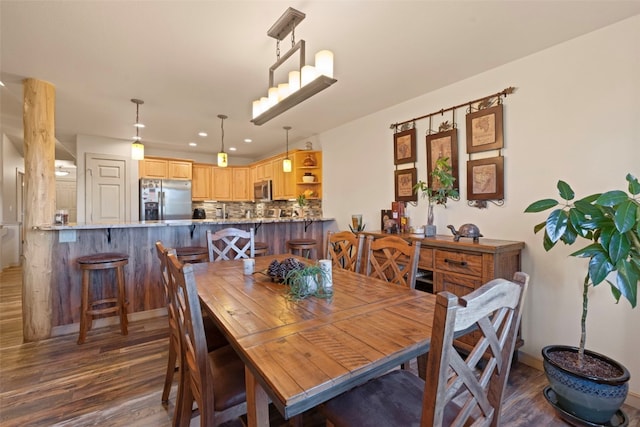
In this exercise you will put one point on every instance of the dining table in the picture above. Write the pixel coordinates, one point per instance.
(299, 353)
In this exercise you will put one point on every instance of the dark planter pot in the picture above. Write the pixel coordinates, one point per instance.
(592, 399)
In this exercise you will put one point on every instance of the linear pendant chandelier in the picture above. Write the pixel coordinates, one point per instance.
(303, 83)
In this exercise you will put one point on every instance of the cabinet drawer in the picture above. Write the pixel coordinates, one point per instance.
(459, 262)
(426, 259)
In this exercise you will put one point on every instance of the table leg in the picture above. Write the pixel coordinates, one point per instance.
(257, 402)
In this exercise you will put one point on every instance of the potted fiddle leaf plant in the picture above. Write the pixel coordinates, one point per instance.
(442, 189)
(589, 385)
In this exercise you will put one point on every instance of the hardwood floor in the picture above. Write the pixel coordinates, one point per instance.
(117, 380)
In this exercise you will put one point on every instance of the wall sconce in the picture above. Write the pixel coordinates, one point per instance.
(222, 156)
(137, 148)
(303, 83)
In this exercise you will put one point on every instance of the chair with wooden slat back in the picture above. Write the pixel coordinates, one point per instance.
(215, 338)
(459, 390)
(230, 243)
(174, 335)
(393, 259)
(344, 249)
(215, 380)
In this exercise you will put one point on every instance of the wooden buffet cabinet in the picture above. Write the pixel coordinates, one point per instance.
(460, 267)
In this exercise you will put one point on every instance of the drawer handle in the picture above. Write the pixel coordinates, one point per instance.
(453, 261)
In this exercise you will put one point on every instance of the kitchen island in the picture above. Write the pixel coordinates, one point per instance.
(144, 291)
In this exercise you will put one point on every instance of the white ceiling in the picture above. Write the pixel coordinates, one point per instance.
(192, 60)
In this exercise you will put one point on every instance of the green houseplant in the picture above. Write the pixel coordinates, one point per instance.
(442, 189)
(307, 281)
(610, 223)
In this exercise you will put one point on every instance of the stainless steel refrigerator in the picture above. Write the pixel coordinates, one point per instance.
(163, 199)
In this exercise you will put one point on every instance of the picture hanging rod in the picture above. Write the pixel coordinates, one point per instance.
(505, 92)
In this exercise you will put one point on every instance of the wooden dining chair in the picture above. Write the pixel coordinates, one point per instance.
(458, 390)
(215, 338)
(230, 243)
(393, 259)
(215, 380)
(344, 249)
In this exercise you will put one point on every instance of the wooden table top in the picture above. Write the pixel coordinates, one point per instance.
(305, 352)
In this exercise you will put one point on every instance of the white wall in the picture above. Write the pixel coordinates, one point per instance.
(575, 116)
(9, 237)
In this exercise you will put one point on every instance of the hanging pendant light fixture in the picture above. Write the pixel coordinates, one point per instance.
(137, 148)
(302, 83)
(286, 163)
(222, 156)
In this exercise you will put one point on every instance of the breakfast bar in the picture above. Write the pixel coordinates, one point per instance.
(144, 293)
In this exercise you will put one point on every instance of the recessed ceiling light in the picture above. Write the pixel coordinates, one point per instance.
(193, 144)
(248, 140)
(202, 134)
(232, 148)
(1, 84)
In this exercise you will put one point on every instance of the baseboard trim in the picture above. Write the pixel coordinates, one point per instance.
(74, 328)
(633, 399)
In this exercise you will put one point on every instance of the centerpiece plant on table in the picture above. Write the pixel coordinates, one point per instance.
(610, 225)
(442, 189)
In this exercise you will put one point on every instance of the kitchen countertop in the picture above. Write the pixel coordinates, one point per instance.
(175, 223)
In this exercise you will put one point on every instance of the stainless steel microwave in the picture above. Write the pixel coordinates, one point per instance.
(262, 191)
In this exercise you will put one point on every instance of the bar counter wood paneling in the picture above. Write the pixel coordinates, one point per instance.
(143, 289)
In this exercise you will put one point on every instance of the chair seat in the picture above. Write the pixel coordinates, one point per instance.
(302, 242)
(191, 250)
(228, 373)
(102, 258)
(394, 399)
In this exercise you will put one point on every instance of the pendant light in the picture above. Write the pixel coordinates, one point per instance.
(222, 156)
(137, 148)
(286, 163)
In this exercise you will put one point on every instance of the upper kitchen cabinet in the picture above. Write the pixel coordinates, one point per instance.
(283, 183)
(222, 182)
(241, 184)
(264, 171)
(201, 184)
(156, 167)
(307, 166)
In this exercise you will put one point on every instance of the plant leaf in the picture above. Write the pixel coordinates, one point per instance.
(625, 216)
(546, 242)
(586, 208)
(611, 198)
(589, 251)
(619, 247)
(634, 185)
(599, 268)
(614, 291)
(539, 227)
(577, 221)
(541, 205)
(566, 192)
(627, 281)
(556, 224)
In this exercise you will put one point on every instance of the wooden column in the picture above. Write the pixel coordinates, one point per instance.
(39, 207)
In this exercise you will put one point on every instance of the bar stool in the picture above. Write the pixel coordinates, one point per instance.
(90, 308)
(192, 254)
(260, 248)
(302, 245)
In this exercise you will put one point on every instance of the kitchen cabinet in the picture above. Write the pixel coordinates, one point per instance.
(283, 185)
(163, 168)
(308, 163)
(264, 171)
(241, 184)
(202, 180)
(222, 181)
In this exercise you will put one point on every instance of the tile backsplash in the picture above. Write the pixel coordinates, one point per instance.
(256, 210)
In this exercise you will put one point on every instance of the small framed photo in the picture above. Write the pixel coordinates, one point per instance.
(405, 180)
(404, 147)
(484, 130)
(442, 144)
(485, 179)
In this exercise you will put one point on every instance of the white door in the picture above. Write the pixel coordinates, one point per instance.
(105, 186)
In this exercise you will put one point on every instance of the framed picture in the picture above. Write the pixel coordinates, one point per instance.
(485, 179)
(405, 180)
(442, 144)
(484, 130)
(404, 147)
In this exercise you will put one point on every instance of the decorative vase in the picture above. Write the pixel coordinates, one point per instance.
(308, 177)
(309, 160)
(589, 398)
(430, 228)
